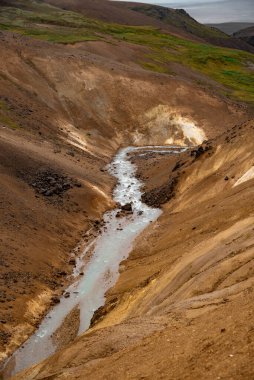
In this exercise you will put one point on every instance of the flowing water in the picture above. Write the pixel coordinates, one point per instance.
(101, 271)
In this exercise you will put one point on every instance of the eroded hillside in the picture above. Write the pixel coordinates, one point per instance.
(74, 90)
(185, 294)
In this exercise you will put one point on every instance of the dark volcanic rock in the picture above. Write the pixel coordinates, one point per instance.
(55, 300)
(160, 195)
(197, 152)
(100, 313)
(124, 210)
(200, 150)
(127, 207)
(50, 183)
(177, 166)
(72, 262)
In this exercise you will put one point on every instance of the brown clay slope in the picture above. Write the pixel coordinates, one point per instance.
(51, 191)
(64, 111)
(183, 305)
(47, 203)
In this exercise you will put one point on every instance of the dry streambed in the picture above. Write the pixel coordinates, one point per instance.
(99, 273)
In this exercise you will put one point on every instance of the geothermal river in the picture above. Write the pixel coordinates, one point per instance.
(101, 270)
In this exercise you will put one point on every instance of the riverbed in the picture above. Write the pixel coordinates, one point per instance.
(100, 272)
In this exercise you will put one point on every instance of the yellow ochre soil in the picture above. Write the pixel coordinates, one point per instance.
(64, 112)
(185, 294)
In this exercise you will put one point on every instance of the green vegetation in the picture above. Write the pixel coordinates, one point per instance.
(228, 67)
(178, 18)
(155, 67)
(4, 118)
(47, 23)
(231, 68)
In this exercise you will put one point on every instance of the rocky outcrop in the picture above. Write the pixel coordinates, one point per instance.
(159, 196)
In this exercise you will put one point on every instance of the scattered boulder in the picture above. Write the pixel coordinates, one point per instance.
(5, 337)
(62, 273)
(72, 262)
(55, 300)
(157, 197)
(200, 150)
(124, 210)
(50, 183)
(127, 207)
(197, 152)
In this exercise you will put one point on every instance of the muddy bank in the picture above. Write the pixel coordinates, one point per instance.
(71, 127)
(160, 172)
(60, 112)
(52, 200)
(99, 272)
(189, 278)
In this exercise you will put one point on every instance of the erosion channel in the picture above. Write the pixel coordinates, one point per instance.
(87, 292)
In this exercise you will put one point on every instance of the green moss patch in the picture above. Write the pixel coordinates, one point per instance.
(230, 68)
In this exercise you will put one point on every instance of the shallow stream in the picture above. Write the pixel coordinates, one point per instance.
(101, 271)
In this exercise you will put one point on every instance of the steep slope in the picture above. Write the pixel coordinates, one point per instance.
(182, 20)
(73, 90)
(246, 35)
(184, 299)
(161, 52)
(103, 10)
(52, 189)
(175, 21)
(64, 111)
(176, 17)
(110, 11)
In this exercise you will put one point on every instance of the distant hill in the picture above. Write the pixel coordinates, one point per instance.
(176, 17)
(174, 21)
(114, 11)
(246, 35)
(100, 9)
(183, 21)
(231, 27)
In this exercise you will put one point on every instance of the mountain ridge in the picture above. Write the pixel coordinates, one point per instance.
(246, 35)
(231, 27)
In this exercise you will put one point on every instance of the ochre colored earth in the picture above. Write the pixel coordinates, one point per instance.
(183, 304)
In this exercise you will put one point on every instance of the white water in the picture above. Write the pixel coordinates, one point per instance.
(101, 272)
